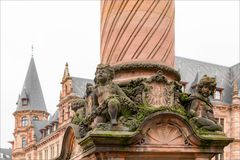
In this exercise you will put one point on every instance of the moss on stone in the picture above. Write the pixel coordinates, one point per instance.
(146, 66)
(145, 110)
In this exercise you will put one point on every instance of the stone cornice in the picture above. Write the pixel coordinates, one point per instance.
(146, 66)
(27, 111)
(30, 147)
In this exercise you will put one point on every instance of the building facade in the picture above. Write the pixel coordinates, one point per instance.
(39, 136)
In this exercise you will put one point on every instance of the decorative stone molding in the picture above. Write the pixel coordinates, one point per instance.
(129, 71)
(164, 134)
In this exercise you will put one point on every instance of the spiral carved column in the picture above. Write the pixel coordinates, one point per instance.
(137, 31)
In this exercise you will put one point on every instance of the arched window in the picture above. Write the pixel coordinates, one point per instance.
(24, 121)
(24, 142)
(217, 95)
(35, 118)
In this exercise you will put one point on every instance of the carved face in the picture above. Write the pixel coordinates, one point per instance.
(102, 75)
(205, 91)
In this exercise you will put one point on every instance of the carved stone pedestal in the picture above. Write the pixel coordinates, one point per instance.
(162, 135)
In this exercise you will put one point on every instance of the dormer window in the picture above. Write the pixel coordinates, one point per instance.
(43, 132)
(48, 131)
(24, 101)
(218, 94)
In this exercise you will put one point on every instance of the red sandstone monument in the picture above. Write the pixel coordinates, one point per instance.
(136, 109)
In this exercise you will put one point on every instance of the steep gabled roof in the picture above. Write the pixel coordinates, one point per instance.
(191, 70)
(31, 91)
(38, 125)
(79, 85)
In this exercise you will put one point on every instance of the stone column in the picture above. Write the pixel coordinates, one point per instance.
(137, 30)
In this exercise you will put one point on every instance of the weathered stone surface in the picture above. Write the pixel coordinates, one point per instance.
(161, 135)
(201, 109)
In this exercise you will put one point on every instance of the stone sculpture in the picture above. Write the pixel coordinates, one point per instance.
(105, 101)
(201, 109)
(109, 96)
(78, 105)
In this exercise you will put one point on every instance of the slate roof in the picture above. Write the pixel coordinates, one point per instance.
(191, 71)
(79, 85)
(5, 154)
(38, 125)
(32, 91)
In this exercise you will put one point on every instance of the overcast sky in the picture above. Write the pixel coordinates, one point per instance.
(64, 31)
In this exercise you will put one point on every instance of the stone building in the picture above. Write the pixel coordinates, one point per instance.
(39, 136)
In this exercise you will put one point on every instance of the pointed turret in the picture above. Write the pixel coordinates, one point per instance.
(66, 73)
(66, 82)
(194, 83)
(31, 97)
(30, 107)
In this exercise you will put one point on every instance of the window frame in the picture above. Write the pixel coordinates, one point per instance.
(24, 121)
(24, 142)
